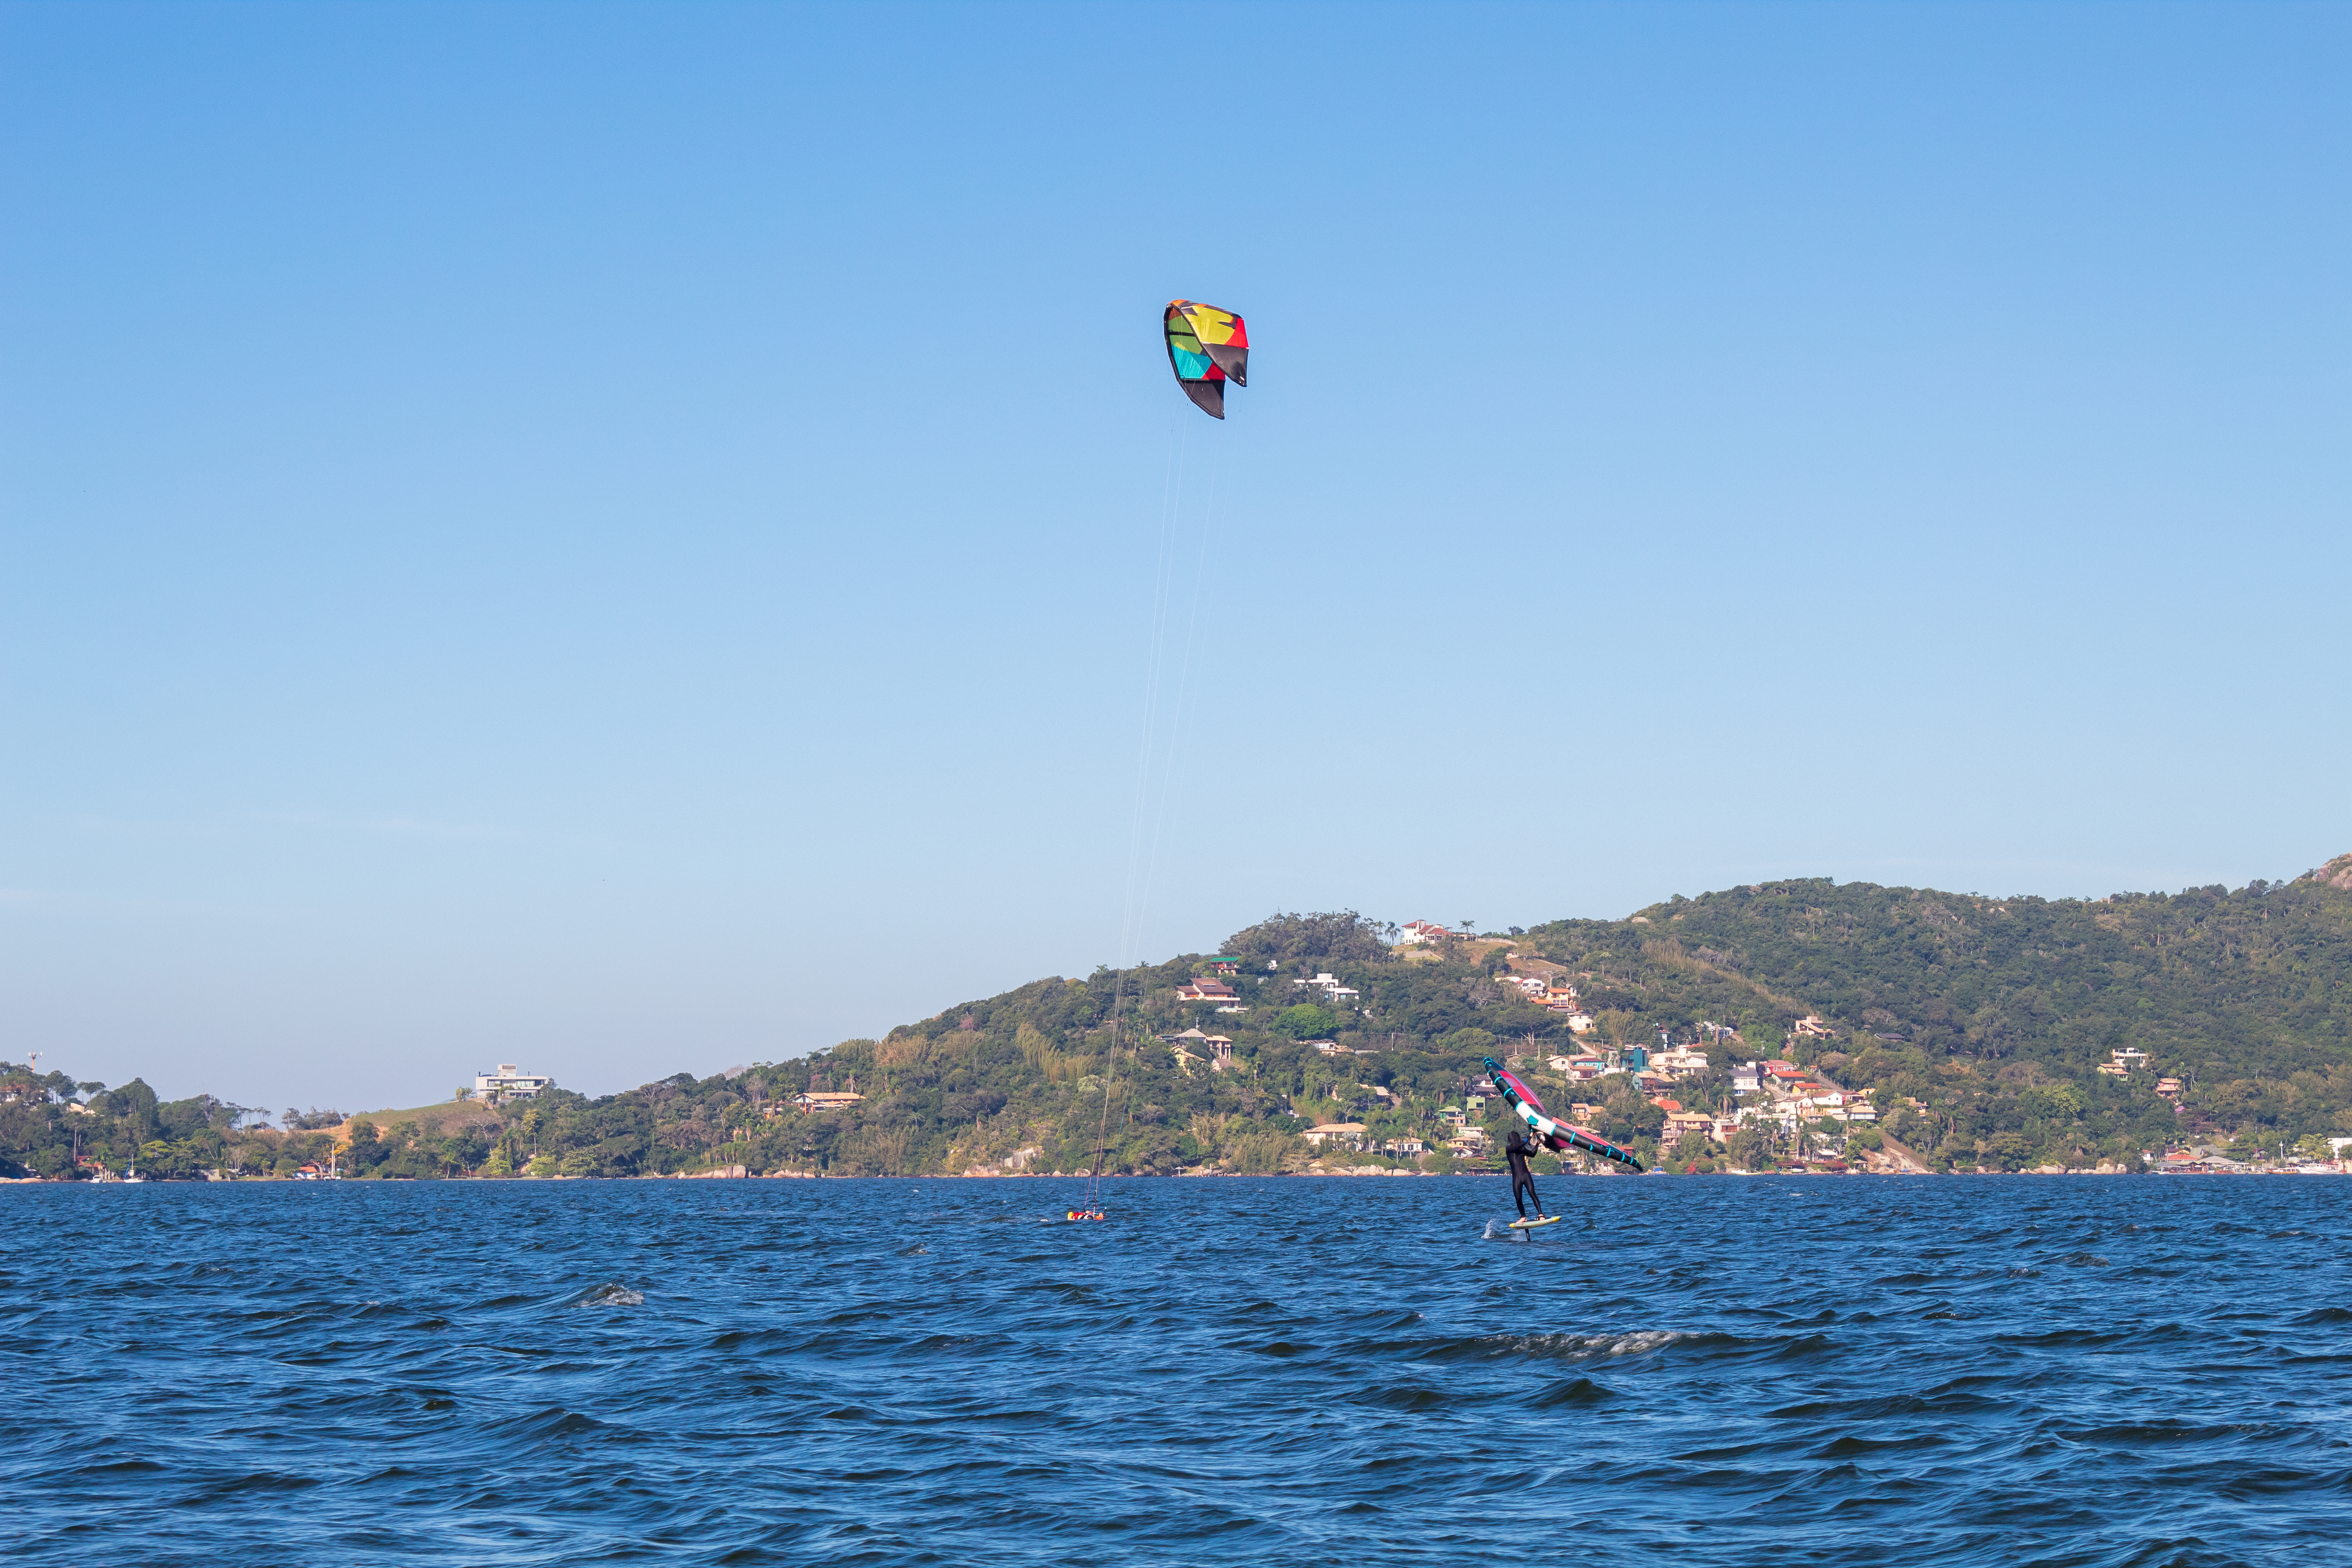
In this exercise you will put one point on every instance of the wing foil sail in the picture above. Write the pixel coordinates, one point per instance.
(1555, 1135)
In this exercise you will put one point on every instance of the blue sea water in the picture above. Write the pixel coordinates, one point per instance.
(1687, 1370)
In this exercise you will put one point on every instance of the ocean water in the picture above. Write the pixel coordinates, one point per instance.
(1687, 1370)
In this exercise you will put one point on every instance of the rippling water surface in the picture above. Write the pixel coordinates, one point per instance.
(1687, 1372)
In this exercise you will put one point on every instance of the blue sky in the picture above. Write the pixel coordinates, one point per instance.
(631, 538)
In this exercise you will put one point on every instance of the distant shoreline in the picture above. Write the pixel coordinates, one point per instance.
(1221, 1175)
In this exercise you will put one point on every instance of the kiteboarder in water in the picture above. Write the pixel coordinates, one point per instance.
(1516, 1150)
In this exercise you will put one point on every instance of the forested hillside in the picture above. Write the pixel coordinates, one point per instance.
(1995, 1012)
(1978, 1025)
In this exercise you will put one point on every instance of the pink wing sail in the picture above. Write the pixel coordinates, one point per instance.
(1517, 1086)
(1554, 1136)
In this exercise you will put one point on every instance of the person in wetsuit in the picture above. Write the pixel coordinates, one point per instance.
(1516, 1149)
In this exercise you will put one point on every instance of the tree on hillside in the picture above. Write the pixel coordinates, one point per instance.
(1343, 936)
(1305, 1022)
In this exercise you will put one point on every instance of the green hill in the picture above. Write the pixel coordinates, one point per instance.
(1979, 1024)
(1996, 1013)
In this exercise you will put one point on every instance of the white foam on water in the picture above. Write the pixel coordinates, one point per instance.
(612, 1296)
(1587, 1347)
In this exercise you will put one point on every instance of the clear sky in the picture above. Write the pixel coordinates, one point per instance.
(624, 539)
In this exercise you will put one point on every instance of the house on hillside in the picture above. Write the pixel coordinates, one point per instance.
(1332, 988)
(1207, 991)
(821, 1099)
(1349, 1133)
(1220, 1052)
(1423, 931)
(1225, 965)
(1191, 1046)
(510, 1082)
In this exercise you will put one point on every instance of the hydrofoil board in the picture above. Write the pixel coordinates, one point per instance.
(1535, 1224)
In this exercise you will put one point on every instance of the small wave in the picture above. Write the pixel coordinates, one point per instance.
(609, 1296)
(2074, 1339)
(554, 1422)
(1406, 1398)
(2274, 1481)
(1572, 1390)
(2144, 1435)
(1567, 1347)
(1848, 1445)
(2319, 1315)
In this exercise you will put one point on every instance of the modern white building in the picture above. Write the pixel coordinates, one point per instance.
(510, 1082)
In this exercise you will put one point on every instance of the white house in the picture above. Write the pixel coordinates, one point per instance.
(510, 1082)
(1423, 931)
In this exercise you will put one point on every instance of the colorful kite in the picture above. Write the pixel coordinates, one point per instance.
(1205, 347)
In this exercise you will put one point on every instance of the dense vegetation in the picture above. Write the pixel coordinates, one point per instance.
(1979, 1024)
